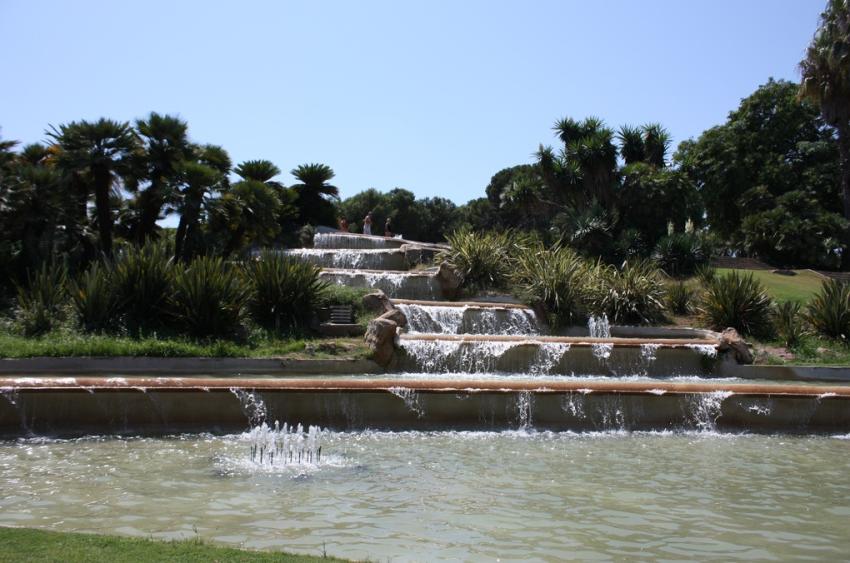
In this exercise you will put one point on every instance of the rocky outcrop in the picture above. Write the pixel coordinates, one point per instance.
(380, 338)
(377, 302)
(732, 342)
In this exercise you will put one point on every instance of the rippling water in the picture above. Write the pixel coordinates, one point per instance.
(452, 495)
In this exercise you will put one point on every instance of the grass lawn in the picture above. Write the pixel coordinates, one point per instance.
(785, 288)
(21, 545)
(63, 344)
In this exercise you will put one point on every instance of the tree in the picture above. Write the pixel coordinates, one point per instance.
(166, 146)
(97, 154)
(316, 197)
(826, 80)
(772, 144)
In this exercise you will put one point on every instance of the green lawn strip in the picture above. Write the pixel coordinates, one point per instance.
(800, 287)
(23, 545)
(811, 351)
(76, 345)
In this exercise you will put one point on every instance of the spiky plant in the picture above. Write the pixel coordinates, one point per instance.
(705, 273)
(94, 298)
(209, 298)
(680, 254)
(40, 301)
(788, 323)
(483, 260)
(634, 293)
(679, 298)
(737, 301)
(555, 280)
(142, 279)
(829, 310)
(284, 292)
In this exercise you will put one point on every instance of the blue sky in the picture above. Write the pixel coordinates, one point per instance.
(431, 96)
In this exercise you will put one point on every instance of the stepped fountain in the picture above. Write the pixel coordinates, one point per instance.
(476, 399)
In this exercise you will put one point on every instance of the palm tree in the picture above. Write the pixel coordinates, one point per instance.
(316, 197)
(259, 171)
(656, 142)
(826, 80)
(631, 144)
(205, 173)
(166, 146)
(97, 154)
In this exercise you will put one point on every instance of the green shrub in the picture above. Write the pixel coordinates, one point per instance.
(284, 292)
(737, 301)
(706, 274)
(142, 279)
(94, 299)
(40, 302)
(209, 298)
(829, 310)
(788, 323)
(631, 294)
(679, 298)
(680, 254)
(556, 280)
(484, 260)
(305, 236)
(343, 295)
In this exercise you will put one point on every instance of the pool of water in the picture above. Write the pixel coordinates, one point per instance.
(452, 495)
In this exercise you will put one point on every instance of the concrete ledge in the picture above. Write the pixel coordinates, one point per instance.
(186, 366)
(786, 373)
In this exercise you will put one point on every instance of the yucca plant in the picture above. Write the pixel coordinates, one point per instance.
(284, 292)
(631, 294)
(829, 310)
(40, 302)
(679, 298)
(208, 298)
(483, 260)
(142, 278)
(680, 254)
(94, 298)
(788, 323)
(554, 279)
(706, 274)
(737, 301)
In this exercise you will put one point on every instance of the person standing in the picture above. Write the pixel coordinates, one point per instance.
(343, 224)
(367, 224)
(388, 228)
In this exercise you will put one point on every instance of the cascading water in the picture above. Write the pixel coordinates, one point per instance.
(285, 446)
(350, 258)
(402, 285)
(339, 240)
(705, 408)
(439, 319)
(454, 356)
(599, 328)
(410, 398)
(548, 357)
(252, 405)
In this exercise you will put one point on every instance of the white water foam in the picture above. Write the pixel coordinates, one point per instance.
(705, 408)
(455, 356)
(410, 398)
(439, 319)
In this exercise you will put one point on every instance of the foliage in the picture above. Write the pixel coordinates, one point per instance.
(343, 295)
(483, 260)
(208, 298)
(634, 293)
(284, 292)
(705, 273)
(737, 301)
(680, 254)
(788, 323)
(679, 298)
(555, 280)
(94, 298)
(40, 302)
(317, 198)
(142, 278)
(829, 310)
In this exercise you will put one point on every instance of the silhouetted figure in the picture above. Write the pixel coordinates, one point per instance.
(388, 228)
(367, 224)
(343, 224)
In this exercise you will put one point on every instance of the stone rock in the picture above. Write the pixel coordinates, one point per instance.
(396, 316)
(380, 338)
(731, 341)
(377, 302)
(449, 280)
